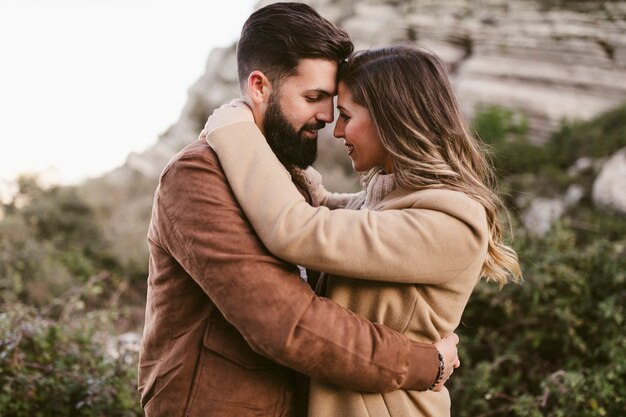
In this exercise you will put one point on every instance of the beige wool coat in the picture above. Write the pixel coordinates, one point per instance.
(410, 264)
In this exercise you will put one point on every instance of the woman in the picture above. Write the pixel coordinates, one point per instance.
(420, 235)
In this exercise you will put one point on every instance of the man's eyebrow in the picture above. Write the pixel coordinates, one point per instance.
(322, 92)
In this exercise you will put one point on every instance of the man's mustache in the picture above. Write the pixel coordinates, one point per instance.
(313, 126)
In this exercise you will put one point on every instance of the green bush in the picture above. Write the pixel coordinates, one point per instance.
(553, 346)
(58, 366)
(496, 125)
(506, 133)
(597, 138)
(49, 242)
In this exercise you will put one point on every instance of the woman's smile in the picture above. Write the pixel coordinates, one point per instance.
(349, 148)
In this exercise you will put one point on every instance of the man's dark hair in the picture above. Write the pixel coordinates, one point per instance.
(277, 36)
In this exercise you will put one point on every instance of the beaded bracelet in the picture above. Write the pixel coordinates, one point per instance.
(439, 373)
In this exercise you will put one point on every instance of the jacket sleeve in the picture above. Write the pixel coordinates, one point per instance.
(264, 298)
(426, 243)
(323, 196)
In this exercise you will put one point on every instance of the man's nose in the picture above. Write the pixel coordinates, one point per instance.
(326, 112)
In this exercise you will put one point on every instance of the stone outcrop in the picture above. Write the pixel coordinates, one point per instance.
(539, 217)
(548, 63)
(541, 214)
(609, 188)
(551, 64)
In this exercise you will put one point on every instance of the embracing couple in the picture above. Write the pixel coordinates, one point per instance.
(237, 321)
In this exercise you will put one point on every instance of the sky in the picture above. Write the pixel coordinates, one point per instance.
(85, 82)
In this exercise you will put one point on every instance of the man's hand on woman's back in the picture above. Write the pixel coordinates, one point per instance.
(447, 347)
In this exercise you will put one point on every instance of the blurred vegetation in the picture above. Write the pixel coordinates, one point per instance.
(50, 240)
(584, 6)
(73, 275)
(58, 365)
(553, 346)
(597, 139)
(545, 169)
(63, 298)
(122, 208)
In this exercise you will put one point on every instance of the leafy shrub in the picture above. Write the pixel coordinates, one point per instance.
(122, 208)
(49, 242)
(496, 125)
(597, 138)
(505, 131)
(553, 346)
(53, 366)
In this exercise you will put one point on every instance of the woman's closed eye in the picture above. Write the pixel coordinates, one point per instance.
(344, 116)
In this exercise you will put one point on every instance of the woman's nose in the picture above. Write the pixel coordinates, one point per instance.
(338, 131)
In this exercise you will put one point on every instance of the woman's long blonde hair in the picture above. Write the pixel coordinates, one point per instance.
(409, 97)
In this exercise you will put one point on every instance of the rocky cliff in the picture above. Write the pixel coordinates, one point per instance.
(549, 60)
(549, 63)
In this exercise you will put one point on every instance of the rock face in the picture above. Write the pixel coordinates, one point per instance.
(609, 188)
(546, 62)
(550, 64)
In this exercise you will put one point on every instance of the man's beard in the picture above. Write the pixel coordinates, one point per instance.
(290, 146)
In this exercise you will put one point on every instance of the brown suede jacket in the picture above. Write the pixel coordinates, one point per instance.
(228, 324)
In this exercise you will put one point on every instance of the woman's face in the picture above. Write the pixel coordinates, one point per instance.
(356, 128)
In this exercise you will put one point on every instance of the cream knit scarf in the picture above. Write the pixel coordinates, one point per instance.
(377, 189)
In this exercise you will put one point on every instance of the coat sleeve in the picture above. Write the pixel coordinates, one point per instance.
(333, 200)
(427, 243)
(323, 196)
(264, 298)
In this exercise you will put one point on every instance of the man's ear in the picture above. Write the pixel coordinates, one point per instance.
(259, 87)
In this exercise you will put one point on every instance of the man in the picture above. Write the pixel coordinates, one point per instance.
(227, 324)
